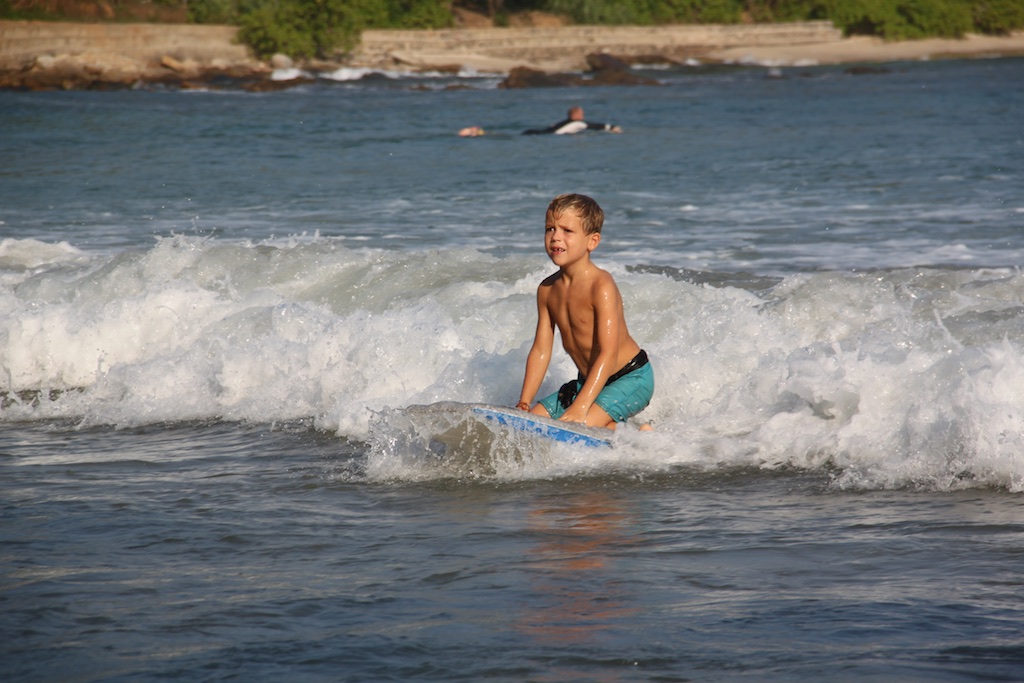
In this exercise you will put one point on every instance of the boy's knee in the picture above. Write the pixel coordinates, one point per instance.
(598, 417)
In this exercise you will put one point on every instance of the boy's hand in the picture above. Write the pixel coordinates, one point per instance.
(574, 414)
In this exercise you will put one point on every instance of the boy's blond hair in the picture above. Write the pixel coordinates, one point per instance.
(591, 215)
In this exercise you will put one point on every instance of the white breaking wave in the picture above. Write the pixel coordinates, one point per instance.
(890, 378)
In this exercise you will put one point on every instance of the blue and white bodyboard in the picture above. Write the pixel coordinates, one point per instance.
(564, 432)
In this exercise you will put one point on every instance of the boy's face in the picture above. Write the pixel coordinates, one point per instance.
(565, 240)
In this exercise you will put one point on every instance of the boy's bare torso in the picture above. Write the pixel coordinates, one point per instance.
(575, 307)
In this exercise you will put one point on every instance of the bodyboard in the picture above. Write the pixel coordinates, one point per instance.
(476, 439)
(564, 432)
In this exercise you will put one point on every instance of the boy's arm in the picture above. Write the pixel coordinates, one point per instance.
(540, 353)
(607, 303)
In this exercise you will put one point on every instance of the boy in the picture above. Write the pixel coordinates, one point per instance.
(583, 303)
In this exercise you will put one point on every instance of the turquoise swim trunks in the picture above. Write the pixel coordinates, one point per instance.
(622, 397)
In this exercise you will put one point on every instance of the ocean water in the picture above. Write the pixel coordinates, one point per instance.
(216, 308)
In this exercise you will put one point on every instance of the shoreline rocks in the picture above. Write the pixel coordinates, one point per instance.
(105, 71)
(603, 69)
(70, 56)
(38, 55)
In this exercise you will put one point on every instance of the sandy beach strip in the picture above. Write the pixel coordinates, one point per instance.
(866, 49)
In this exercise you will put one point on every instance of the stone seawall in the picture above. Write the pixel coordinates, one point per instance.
(592, 37)
(568, 46)
(23, 41)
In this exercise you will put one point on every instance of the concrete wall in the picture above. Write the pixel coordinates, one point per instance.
(22, 41)
(625, 40)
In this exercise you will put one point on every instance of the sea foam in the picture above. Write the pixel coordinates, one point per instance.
(888, 378)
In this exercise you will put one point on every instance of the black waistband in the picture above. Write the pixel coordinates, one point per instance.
(637, 362)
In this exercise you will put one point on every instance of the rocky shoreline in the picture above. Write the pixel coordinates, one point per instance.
(38, 55)
(70, 56)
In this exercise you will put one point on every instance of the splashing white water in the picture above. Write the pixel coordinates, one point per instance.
(889, 378)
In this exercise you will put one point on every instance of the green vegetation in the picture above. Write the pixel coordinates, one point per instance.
(647, 12)
(94, 10)
(997, 16)
(890, 19)
(318, 28)
(894, 19)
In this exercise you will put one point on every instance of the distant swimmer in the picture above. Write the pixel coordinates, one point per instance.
(472, 132)
(573, 124)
